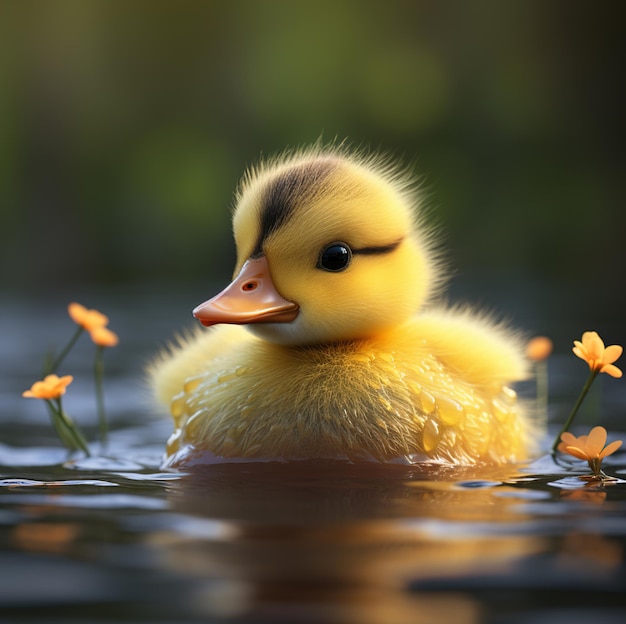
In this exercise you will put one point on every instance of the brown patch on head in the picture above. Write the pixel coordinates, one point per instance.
(288, 190)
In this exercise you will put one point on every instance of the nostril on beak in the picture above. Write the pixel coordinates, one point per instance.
(250, 286)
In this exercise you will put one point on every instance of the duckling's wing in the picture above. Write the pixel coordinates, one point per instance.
(485, 352)
(191, 355)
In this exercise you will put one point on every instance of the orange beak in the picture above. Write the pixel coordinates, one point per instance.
(250, 298)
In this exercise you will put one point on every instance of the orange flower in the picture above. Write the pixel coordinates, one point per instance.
(104, 337)
(95, 323)
(52, 387)
(590, 448)
(539, 348)
(87, 319)
(599, 357)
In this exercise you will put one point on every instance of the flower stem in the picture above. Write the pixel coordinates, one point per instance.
(66, 429)
(99, 378)
(592, 375)
(54, 366)
(595, 465)
(541, 393)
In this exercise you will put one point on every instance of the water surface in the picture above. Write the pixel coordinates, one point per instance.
(115, 538)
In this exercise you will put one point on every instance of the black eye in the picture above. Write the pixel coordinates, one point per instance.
(335, 257)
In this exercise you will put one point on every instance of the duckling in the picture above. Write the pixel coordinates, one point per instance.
(328, 343)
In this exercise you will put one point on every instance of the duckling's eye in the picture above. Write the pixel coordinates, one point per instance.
(336, 257)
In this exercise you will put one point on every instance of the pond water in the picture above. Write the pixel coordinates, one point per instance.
(115, 538)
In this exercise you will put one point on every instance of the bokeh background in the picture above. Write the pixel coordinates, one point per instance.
(125, 126)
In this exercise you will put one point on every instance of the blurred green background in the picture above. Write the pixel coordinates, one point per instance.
(125, 126)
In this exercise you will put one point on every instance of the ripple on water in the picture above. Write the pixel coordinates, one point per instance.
(20, 483)
(31, 456)
(478, 484)
(522, 493)
(88, 501)
(150, 476)
(103, 463)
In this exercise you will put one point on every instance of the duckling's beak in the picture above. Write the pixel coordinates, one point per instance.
(250, 298)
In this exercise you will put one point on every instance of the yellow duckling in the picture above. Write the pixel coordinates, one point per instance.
(339, 356)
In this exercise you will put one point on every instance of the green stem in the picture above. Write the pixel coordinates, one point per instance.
(541, 398)
(54, 366)
(99, 377)
(66, 429)
(592, 375)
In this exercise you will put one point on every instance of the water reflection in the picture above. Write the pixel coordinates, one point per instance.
(333, 542)
(308, 542)
(45, 537)
(590, 552)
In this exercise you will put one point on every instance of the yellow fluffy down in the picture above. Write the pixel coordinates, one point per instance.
(433, 389)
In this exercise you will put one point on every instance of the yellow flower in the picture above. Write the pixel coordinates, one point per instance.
(87, 319)
(539, 348)
(599, 357)
(590, 448)
(104, 337)
(52, 387)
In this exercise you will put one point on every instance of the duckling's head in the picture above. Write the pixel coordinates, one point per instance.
(328, 249)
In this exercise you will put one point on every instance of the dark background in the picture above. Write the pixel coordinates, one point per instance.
(125, 126)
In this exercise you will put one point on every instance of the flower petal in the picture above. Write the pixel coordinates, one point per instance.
(595, 441)
(562, 447)
(568, 438)
(76, 312)
(52, 387)
(611, 370)
(593, 345)
(592, 341)
(612, 353)
(609, 449)
(87, 319)
(576, 452)
(104, 337)
(539, 348)
(581, 441)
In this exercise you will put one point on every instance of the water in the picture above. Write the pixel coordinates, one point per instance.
(114, 538)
